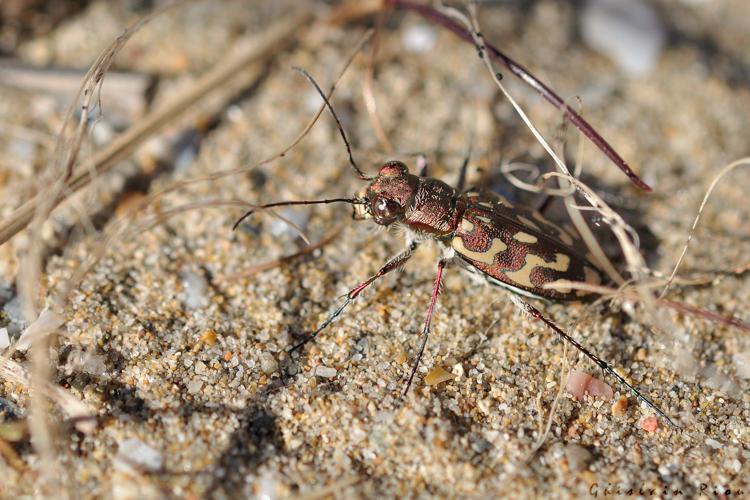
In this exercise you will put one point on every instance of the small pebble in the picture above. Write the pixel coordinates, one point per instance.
(580, 383)
(280, 227)
(742, 364)
(578, 457)
(419, 38)
(135, 453)
(649, 424)
(325, 372)
(195, 294)
(620, 406)
(209, 337)
(713, 443)
(630, 33)
(194, 386)
(438, 375)
(4, 338)
(268, 363)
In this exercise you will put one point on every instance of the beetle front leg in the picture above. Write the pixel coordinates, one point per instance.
(428, 321)
(392, 264)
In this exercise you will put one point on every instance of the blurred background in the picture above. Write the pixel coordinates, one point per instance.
(163, 350)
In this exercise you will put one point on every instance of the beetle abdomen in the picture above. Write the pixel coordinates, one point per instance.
(519, 249)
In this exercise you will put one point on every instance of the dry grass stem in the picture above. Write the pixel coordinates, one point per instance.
(266, 45)
(724, 171)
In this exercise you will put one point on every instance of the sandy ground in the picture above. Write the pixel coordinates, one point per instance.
(184, 364)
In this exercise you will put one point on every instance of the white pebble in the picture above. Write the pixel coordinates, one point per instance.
(419, 38)
(201, 368)
(46, 323)
(94, 364)
(713, 443)
(325, 372)
(194, 386)
(4, 338)
(280, 227)
(103, 132)
(312, 101)
(742, 364)
(195, 287)
(268, 363)
(136, 453)
(356, 434)
(266, 488)
(630, 33)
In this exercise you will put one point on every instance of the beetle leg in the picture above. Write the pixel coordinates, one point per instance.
(461, 182)
(535, 313)
(422, 165)
(426, 330)
(394, 263)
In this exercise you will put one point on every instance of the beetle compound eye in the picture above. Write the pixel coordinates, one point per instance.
(385, 211)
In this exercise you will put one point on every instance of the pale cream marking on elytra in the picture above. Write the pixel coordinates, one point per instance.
(486, 257)
(527, 222)
(483, 219)
(485, 204)
(525, 237)
(467, 225)
(523, 275)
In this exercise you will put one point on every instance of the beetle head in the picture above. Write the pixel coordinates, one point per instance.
(387, 198)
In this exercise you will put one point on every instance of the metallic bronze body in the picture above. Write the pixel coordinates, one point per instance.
(514, 247)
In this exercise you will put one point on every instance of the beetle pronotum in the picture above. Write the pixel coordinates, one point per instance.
(513, 247)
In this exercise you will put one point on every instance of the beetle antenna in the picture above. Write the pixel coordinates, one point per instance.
(351, 201)
(354, 165)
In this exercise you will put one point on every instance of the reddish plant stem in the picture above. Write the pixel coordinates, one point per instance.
(705, 314)
(527, 77)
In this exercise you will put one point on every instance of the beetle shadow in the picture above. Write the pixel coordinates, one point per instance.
(255, 439)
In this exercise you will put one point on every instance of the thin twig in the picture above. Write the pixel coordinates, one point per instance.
(286, 259)
(724, 171)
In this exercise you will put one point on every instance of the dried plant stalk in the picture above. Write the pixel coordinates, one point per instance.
(269, 43)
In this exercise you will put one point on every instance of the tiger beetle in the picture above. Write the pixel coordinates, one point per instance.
(506, 245)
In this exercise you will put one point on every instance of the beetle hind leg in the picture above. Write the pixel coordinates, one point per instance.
(428, 321)
(535, 313)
